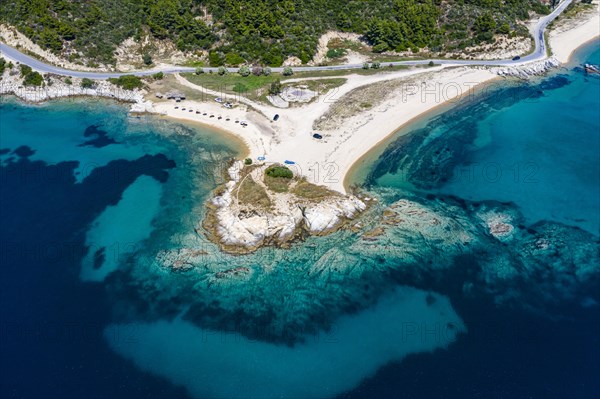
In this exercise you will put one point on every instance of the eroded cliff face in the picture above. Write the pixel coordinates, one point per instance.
(254, 210)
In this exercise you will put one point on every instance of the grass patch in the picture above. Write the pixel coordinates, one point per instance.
(278, 178)
(346, 72)
(240, 88)
(547, 41)
(311, 191)
(251, 193)
(232, 82)
(345, 44)
(277, 184)
(320, 86)
(382, 58)
(194, 63)
(336, 52)
(169, 83)
(257, 87)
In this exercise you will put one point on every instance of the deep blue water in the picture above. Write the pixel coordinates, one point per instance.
(52, 343)
(88, 197)
(60, 171)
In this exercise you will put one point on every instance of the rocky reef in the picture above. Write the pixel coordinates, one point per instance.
(254, 210)
(470, 250)
(547, 262)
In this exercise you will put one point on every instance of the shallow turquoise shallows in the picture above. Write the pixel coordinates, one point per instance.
(540, 152)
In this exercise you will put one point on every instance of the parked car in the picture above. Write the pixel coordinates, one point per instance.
(276, 117)
(317, 136)
(517, 58)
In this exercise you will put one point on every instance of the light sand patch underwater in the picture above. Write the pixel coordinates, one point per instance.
(119, 229)
(229, 365)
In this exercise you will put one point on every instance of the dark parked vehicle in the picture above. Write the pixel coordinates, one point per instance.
(276, 117)
(317, 136)
(517, 58)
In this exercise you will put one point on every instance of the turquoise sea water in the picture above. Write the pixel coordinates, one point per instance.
(96, 207)
(537, 147)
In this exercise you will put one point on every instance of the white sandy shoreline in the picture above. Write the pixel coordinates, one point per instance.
(570, 35)
(329, 161)
(411, 94)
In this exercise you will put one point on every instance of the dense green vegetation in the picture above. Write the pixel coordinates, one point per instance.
(96, 27)
(413, 25)
(127, 82)
(2, 65)
(87, 83)
(25, 70)
(30, 78)
(260, 31)
(33, 79)
(275, 88)
(279, 171)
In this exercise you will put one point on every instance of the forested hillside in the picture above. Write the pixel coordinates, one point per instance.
(261, 31)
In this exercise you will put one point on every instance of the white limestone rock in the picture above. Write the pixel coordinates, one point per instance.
(527, 70)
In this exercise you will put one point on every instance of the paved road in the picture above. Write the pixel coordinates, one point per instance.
(537, 31)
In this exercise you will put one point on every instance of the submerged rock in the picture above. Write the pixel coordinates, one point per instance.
(533, 267)
(499, 223)
(443, 244)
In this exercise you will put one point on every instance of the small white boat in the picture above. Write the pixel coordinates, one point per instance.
(589, 68)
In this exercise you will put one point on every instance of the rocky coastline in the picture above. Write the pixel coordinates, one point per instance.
(55, 87)
(530, 69)
(248, 212)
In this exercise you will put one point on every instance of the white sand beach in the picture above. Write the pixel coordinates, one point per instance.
(400, 97)
(571, 34)
(327, 161)
(352, 118)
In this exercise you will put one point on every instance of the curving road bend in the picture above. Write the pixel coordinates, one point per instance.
(537, 32)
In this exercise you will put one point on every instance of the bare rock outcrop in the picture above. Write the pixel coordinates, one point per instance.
(525, 71)
(248, 214)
